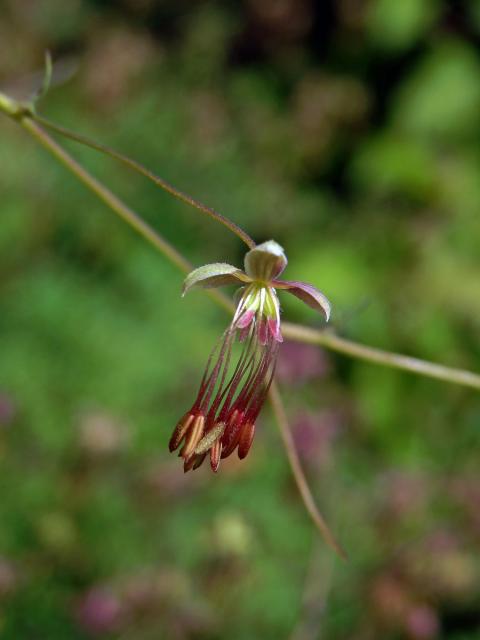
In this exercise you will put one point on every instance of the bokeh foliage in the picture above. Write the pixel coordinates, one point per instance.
(349, 132)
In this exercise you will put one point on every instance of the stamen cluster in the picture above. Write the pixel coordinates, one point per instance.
(233, 390)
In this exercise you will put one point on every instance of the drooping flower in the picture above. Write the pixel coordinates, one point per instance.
(233, 389)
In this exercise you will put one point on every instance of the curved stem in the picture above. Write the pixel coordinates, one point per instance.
(139, 168)
(290, 330)
(116, 205)
(129, 216)
(293, 331)
(300, 479)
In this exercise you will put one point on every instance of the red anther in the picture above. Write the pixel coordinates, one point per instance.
(199, 458)
(193, 436)
(188, 463)
(180, 431)
(246, 438)
(231, 434)
(215, 454)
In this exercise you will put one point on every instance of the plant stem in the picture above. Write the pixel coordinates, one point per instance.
(378, 356)
(296, 332)
(290, 330)
(8, 106)
(129, 216)
(139, 168)
(300, 479)
(115, 204)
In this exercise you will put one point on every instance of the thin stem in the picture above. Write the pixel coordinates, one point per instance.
(378, 356)
(293, 331)
(137, 166)
(290, 330)
(115, 204)
(300, 479)
(129, 216)
(303, 334)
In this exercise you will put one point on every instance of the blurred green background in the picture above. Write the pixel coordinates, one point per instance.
(349, 131)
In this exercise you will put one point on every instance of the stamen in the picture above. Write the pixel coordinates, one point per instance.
(230, 398)
(246, 438)
(194, 435)
(209, 438)
(180, 431)
(193, 462)
(215, 455)
(232, 433)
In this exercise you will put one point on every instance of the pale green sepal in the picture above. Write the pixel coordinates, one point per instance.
(217, 274)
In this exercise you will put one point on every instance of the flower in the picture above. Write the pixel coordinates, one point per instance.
(232, 391)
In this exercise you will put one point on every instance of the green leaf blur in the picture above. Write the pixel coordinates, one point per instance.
(350, 133)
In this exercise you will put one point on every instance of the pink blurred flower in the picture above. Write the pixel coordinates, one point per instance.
(100, 434)
(7, 410)
(422, 623)
(8, 577)
(99, 611)
(298, 363)
(315, 434)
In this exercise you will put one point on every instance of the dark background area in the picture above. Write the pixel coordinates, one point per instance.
(349, 132)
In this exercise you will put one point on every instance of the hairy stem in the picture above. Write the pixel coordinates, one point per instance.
(139, 168)
(300, 479)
